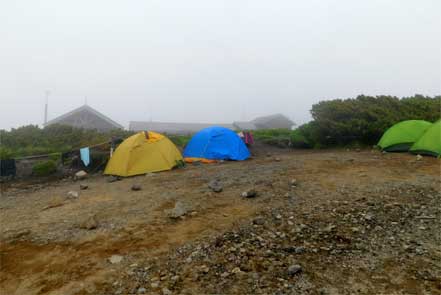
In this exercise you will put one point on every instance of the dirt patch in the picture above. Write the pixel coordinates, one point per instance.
(45, 250)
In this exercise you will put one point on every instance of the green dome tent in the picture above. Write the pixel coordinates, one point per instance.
(430, 142)
(401, 136)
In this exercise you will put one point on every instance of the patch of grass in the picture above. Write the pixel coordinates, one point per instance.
(276, 137)
(44, 168)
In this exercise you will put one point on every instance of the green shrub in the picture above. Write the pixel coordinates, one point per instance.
(5, 153)
(44, 168)
(353, 122)
(298, 140)
(277, 137)
(31, 140)
(179, 140)
(364, 119)
(56, 157)
(271, 133)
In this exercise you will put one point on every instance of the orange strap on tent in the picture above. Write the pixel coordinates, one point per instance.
(202, 160)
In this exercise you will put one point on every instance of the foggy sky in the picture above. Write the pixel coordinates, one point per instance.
(211, 61)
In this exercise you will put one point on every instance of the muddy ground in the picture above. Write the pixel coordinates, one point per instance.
(323, 222)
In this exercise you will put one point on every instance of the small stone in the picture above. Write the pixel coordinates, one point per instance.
(142, 290)
(329, 228)
(112, 178)
(178, 211)
(205, 269)
(278, 159)
(293, 182)
(259, 221)
(83, 186)
(249, 194)
(17, 235)
(215, 186)
(166, 291)
(89, 223)
(278, 216)
(80, 175)
(368, 217)
(419, 157)
(236, 270)
(114, 259)
(136, 187)
(299, 250)
(294, 269)
(73, 194)
(154, 285)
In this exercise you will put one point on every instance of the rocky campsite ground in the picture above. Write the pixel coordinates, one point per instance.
(311, 222)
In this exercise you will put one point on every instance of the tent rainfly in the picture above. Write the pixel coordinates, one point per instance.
(216, 143)
(142, 153)
(401, 136)
(430, 142)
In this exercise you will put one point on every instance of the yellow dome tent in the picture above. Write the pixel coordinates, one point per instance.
(142, 153)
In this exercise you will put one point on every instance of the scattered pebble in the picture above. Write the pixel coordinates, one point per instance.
(249, 194)
(115, 259)
(73, 194)
(178, 211)
(215, 186)
(294, 269)
(136, 187)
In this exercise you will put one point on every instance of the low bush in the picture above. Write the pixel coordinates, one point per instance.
(44, 168)
(298, 140)
(31, 140)
(5, 153)
(179, 140)
(364, 119)
(276, 137)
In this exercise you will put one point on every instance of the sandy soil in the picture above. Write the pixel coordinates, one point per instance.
(55, 244)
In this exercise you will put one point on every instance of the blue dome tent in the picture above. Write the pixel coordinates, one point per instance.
(216, 143)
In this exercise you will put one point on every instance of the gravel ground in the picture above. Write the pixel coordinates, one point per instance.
(333, 222)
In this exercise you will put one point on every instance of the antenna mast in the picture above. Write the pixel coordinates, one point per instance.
(46, 106)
